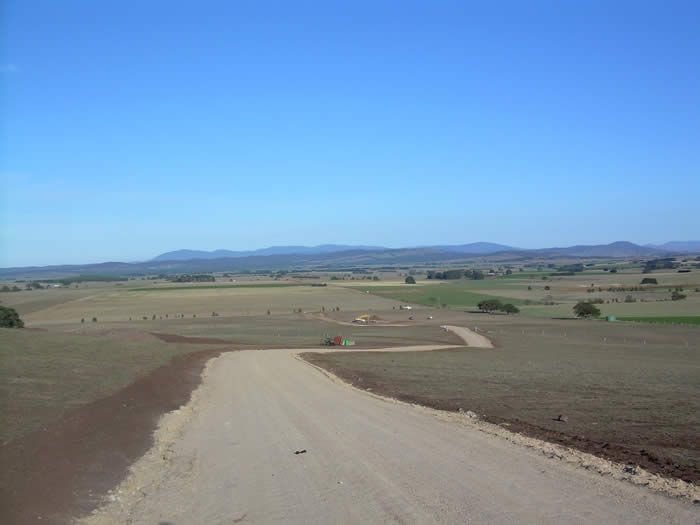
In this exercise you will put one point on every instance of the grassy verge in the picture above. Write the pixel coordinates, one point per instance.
(678, 319)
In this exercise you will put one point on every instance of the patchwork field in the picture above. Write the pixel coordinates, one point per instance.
(541, 294)
(628, 390)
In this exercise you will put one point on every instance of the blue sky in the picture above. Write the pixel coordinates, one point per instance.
(133, 128)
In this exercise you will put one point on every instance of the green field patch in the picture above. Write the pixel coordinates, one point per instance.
(452, 295)
(672, 319)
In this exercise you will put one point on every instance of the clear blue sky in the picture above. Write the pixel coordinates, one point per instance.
(132, 128)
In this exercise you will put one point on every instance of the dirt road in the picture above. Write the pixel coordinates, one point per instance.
(469, 337)
(229, 457)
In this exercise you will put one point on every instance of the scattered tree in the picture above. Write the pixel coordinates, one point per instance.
(510, 309)
(94, 319)
(410, 280)
(585, 309)
(677, 296)
(649, 280)
(489, 305)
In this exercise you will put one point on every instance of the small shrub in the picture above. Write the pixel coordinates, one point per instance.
(9, 318)
(649, 280)
(677, 296)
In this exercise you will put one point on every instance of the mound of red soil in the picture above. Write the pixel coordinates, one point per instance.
(65, 469)
(174, 338)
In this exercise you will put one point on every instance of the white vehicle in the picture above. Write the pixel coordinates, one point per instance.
(405, 307)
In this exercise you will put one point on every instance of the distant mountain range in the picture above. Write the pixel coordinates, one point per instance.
(188, 255)
(678, 246)
(615, 249)
(339, 257)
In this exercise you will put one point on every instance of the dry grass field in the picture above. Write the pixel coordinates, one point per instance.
(110, 303)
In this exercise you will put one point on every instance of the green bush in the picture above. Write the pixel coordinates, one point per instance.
(510, 309)
(584, 309)
(9, 318)
(489, 305)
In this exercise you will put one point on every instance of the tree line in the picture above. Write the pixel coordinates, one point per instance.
(455, 274)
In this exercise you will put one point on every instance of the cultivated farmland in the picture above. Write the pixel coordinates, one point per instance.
(98, 355)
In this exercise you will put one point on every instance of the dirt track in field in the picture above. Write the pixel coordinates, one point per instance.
(470, 337)
(269, 438)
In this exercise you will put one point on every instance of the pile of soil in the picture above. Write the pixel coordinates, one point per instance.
(174, 338)
(65, 469)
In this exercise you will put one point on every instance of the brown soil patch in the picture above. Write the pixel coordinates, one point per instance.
(619, 452)
(65, 469)
(174, 338)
